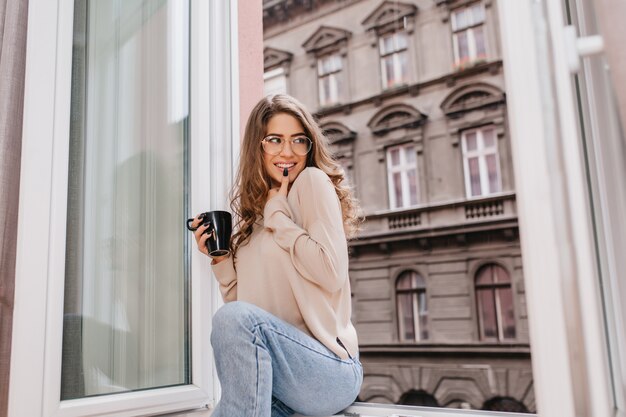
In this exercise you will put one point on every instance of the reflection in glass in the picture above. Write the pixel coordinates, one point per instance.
(125, 307)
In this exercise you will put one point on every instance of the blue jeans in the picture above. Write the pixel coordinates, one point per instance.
(268, 367)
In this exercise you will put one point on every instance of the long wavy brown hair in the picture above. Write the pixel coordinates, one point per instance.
(249, 192)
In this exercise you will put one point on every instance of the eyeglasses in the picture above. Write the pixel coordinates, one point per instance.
(300, 145)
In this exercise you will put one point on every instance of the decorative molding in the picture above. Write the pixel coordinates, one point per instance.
(341, 140)
(470, 97)
(388, 15)
(273, 58)
(338, 132)
(474, 105)
(326, 39)
(395, 116)
(448, 6)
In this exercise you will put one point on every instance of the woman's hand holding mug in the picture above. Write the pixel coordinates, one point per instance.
(212, 232)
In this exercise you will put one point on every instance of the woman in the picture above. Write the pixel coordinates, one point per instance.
(284, 342)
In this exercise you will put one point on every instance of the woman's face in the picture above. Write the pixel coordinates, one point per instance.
(286, 127)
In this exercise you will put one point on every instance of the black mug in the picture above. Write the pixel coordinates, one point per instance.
(220, 229)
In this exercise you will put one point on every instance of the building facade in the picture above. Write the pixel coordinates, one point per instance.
(411, 95)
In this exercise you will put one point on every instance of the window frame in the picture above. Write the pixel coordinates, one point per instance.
(493, 287)
(274, 74)
(481, 152)
(394, 55)
(471, 41)
(402, 168)
(40, 262)
(570, 360)
(334, 78)
(415, 293)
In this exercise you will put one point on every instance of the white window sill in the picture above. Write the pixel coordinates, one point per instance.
(389, 410)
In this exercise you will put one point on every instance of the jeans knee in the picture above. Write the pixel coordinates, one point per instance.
(230, 320)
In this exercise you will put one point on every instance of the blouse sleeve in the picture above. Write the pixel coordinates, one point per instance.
(318, 249)
(227, 278)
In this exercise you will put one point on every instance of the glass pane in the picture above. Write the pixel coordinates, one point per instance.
(388, 71)
(324, 90)
(507, 318)
(405, 316)
(386, 45)
(275, 85)
(125, 312)
(479, 40)
(336, 88)
(401, 41)
(470, 141)
(487, 312)
(474, 174)
(418, 281)
(478, 13)
(460, 19)
(485, 275)
(500, 275)
(409, 154)
(336, 62)
(321, 67)
(395, 156)
(412, 175)
(405, 281)
(463, 47)
(403, 61)
(492, 172)
(423, 315)
(489, 138)
(397, 187)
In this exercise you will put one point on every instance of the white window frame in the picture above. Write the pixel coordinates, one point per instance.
(566, 324)
(40, 277)
(402, 168)
(481, 152)
(275, 81)
(395, 57)
(333, 78)
(471, 41)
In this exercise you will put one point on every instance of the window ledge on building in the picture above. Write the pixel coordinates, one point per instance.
(430, 348)
(442, 218)
(391, 410)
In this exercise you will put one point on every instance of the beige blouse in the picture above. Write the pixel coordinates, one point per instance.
(295, 265)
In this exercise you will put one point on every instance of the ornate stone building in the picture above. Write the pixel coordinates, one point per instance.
(411, 94)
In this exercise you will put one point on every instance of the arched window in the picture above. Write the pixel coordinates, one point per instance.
(419, 398)
(412, 307)
(496, 318)
(505, 404)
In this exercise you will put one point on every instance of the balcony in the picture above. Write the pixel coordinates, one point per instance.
(438, 219)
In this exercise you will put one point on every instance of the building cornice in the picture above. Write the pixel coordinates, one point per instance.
(514, 349)
(280, 16)
(450, 80)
